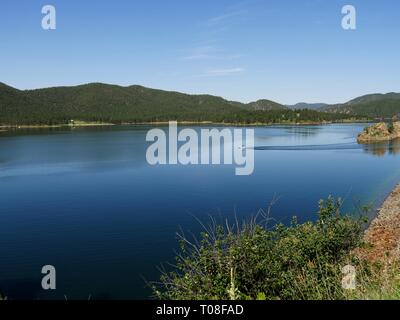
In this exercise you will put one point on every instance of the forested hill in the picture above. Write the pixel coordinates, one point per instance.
(265, 105)
(134, 104)
(305, 105)
(372, 105)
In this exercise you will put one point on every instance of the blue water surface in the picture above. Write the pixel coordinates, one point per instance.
(86, 201)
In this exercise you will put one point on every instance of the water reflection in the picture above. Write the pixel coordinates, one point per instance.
(382, 148)
(99, 149)
(326, 147)
(303, 131)
(377, 149)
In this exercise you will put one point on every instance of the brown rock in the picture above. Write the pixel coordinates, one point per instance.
(379, 132)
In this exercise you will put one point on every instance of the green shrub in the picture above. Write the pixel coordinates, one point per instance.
(252, 261)
(390, 126)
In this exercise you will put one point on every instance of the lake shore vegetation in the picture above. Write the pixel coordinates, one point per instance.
(302, 261)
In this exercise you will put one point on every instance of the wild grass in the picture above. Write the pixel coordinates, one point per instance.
(251, 260)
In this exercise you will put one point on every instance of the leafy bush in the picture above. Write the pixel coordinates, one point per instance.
(252, 261)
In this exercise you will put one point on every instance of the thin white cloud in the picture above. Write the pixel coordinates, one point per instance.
(200, 56)
(234, 56)
(201, 53)
(223, 18)
(223, 72)
(210, 52)
(212, 29)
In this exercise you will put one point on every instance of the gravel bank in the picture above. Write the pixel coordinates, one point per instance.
(384, 231)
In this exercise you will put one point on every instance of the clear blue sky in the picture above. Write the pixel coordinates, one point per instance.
(284, 50)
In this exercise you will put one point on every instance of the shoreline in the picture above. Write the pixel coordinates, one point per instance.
(383, 234)
(4, 128)
(45, 126)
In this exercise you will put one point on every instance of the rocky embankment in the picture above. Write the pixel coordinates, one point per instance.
(384, 232)
(380, 132)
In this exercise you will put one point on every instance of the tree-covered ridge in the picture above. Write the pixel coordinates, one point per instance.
(373, 105)
(305, 105)
(265, 105)
(134, 104)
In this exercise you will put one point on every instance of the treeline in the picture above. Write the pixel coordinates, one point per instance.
(135, 104)
(385, 108)
(372, 106)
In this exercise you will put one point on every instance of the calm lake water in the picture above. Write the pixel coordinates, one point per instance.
(87, 202)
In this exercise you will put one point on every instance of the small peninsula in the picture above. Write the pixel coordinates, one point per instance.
(380, 132)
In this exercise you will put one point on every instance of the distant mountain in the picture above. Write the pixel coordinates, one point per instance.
(108, 103)
(265, 105)
(135, 104)
(372, 105)
(304, 105)
(374, 97)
